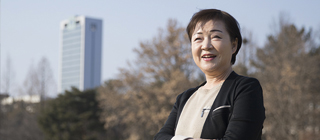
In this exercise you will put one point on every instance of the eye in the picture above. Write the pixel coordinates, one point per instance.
(196, 39)
(216, 36)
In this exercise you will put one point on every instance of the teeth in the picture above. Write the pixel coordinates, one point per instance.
(207, 56)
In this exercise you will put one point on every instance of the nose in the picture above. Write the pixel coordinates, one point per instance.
(206, 44)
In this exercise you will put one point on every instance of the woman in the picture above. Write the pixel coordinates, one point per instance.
(227, 106)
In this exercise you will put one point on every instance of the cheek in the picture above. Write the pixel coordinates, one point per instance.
(224, 48)
(194, 50)
(195, 55)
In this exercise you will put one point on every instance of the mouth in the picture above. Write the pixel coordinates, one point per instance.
(208, 57)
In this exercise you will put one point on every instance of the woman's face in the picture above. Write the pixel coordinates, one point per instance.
(212, 48)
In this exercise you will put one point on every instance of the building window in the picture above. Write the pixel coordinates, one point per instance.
(93, 27)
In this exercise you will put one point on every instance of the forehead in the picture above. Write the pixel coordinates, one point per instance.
(209, 25)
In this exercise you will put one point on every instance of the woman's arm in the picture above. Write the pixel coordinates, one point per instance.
(248, 114)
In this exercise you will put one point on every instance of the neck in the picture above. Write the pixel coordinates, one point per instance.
(213, 80)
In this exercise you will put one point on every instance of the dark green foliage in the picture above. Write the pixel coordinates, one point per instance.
(73, 115)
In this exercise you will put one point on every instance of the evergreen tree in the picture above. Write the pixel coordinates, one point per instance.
(73, 115)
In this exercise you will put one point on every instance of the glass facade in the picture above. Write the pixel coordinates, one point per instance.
(80, 56)
(71, 57)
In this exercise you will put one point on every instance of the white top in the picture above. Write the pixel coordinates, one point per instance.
(195, 113)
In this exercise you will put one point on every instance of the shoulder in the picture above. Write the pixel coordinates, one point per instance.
(240, 80)
(237, 85)
(246, 86)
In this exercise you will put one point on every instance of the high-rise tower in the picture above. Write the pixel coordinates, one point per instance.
(80, 53)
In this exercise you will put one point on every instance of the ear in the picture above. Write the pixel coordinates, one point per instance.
(234, 45)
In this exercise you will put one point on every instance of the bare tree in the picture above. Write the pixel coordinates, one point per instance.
(137, 104)
(8, 76)
(39, 80)
(20, 121)
(284, 67)
(46, 81)
(31, 82)
(247, 54)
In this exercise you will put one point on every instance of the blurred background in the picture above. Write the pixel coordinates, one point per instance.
(140, 63)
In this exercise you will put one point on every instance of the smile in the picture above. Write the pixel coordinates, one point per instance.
(208, 57)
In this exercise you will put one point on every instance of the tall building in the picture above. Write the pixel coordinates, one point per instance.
(80, 53)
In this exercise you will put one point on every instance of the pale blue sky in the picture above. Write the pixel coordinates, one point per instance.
(30, 29)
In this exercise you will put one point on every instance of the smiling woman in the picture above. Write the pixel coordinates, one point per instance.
(212, 49)
(226, 106)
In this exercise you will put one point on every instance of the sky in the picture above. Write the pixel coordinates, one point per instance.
(29, 30)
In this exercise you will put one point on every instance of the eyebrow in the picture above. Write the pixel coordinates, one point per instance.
(214, 30)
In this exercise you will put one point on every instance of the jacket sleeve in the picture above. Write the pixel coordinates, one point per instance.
(248, 114)
(167, 131)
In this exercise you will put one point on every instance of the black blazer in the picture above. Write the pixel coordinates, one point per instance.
(237, 113)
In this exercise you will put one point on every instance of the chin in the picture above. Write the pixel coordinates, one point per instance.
(211, 69)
